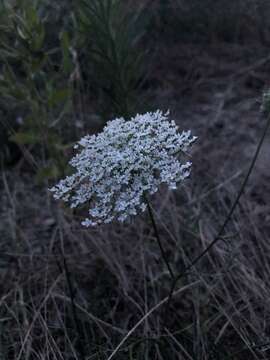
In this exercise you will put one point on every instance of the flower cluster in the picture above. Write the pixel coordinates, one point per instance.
(116, 168)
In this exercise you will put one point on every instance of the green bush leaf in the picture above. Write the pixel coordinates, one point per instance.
(58, 96)
(47, 172)
(25, 138)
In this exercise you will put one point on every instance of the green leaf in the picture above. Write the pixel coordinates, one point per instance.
(53, 139)
(32, 18)
(38, 39)
(38, 63)
(58, 96)
(25, 138)
(47, 172)
(22, 34)
(65, 46)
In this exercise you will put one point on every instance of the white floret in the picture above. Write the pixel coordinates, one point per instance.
(127, 160)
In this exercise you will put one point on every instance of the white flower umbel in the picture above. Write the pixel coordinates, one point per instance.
(127, 160)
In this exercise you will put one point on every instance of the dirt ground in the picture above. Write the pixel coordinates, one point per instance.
(217, 93)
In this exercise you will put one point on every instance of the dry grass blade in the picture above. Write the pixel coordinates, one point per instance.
(150, 312)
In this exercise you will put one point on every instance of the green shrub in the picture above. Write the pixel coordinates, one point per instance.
(35, 83)
(112, 59)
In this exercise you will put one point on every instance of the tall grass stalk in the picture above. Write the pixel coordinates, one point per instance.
(227, 219)
(77, 324)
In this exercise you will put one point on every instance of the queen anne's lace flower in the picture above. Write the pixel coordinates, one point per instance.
(127, 160)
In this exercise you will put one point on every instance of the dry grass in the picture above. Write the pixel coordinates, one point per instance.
(118, 276)
(118, 279)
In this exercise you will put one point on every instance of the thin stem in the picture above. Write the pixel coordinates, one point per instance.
(73, 308)
(228, 218)
(158, 238)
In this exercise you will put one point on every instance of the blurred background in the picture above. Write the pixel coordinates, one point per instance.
(66, 68)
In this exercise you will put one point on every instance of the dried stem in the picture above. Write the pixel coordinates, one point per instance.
(228, 218)
(162, 250)
(80, 347)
